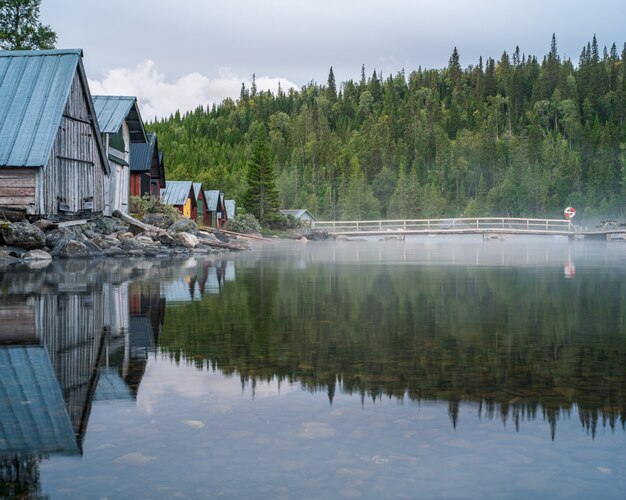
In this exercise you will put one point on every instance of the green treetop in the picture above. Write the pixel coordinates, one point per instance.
(261, 196)
(20, 28)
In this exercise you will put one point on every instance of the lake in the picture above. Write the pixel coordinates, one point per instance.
(434, 367)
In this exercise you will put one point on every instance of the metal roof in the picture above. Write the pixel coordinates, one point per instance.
(141, 154)
(298, 213)
(176, 192)
(34, 89)
(230, 208)
(197, 189)
(33, 415)
(212, 199)
(112, 110)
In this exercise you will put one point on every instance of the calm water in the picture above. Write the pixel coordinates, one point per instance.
(430, 368)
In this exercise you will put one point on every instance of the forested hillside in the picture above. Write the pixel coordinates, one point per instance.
(514, 136)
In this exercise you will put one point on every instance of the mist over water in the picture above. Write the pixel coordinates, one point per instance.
(431, 366)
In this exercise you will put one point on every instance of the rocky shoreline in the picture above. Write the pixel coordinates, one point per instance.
(158, 235)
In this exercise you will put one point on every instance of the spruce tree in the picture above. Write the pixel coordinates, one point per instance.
(20, 28)
(261, 197)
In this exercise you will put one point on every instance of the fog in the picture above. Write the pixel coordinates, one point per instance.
(447, 250)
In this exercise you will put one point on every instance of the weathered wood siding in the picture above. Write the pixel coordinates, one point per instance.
(72, 329)
(17, 321)
(74, 174)
(17, 188)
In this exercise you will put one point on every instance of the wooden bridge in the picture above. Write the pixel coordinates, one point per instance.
(486, 226)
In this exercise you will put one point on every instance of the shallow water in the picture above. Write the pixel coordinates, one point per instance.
(431, 367)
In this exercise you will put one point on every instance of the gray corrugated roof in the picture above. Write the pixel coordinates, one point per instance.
(212, 199)
(230, 208)
(197, 189)
(34, 88)
(176, 192)
(112, 110)
(33, 415)
(297, 213)
(141, 154)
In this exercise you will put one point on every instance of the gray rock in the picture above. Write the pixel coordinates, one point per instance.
(7, 259)
(107, 225)
(16, 252)
(74, 249)
(37, 255)
(113, 252)
(188, 240)
(163, 221)
(184, 226)
(22, 234)
(45, 224)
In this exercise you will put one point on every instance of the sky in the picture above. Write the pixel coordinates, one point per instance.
(178, 55)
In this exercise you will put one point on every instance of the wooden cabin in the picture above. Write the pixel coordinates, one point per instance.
(121, 126)
(147, 173)
(52, 159)
(180, 194)
(216, 211)
(302, 214)
(202, 218)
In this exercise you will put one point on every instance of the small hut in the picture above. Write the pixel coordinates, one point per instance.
(215, 208)
(302, 214)
(121, 126)
(147, 173)
(180, 194)
(52, 160)
(201, 218)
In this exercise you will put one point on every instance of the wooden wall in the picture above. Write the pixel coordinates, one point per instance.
(74, 174)
(17, 188)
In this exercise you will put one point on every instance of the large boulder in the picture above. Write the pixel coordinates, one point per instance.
(74, 249)
(187, 240)
(107, 225)
(162, 221)
(184, 226)
(22, 234)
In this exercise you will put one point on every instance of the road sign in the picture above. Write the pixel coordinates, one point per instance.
(569, 212)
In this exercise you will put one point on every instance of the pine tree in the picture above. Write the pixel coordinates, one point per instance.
(331, 88)
(261, 197)
(20, 28)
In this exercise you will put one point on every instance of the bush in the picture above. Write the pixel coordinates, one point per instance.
(244, 223)
(151, 205)
(283, 223)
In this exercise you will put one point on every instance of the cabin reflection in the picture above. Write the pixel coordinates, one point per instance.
(199, 279)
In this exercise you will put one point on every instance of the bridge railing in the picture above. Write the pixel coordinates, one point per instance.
(468, 224)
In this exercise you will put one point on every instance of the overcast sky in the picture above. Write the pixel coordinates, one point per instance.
(179, 54)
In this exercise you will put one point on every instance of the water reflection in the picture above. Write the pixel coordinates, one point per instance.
(488, 326)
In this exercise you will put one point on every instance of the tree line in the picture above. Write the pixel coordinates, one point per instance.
(516, 136)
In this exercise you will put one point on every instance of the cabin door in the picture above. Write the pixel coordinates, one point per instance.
(187, 209)
(200, 217)
(74, 186)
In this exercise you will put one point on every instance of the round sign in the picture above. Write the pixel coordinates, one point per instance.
(570, 212)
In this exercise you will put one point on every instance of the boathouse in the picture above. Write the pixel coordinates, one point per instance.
(202, 218)
(216, 212)
(121, 125)
(52, 160)
(180, 194)
(147, 173)
(302, 214)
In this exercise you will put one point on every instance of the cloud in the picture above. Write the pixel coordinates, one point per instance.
(161, 97)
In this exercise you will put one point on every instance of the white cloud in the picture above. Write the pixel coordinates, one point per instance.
(161, 97)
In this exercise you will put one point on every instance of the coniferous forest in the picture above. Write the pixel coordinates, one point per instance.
(518, 136)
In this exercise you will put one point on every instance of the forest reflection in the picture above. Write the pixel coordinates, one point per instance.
(520, 342)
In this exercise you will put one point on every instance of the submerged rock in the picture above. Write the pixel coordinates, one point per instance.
(37, 255)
